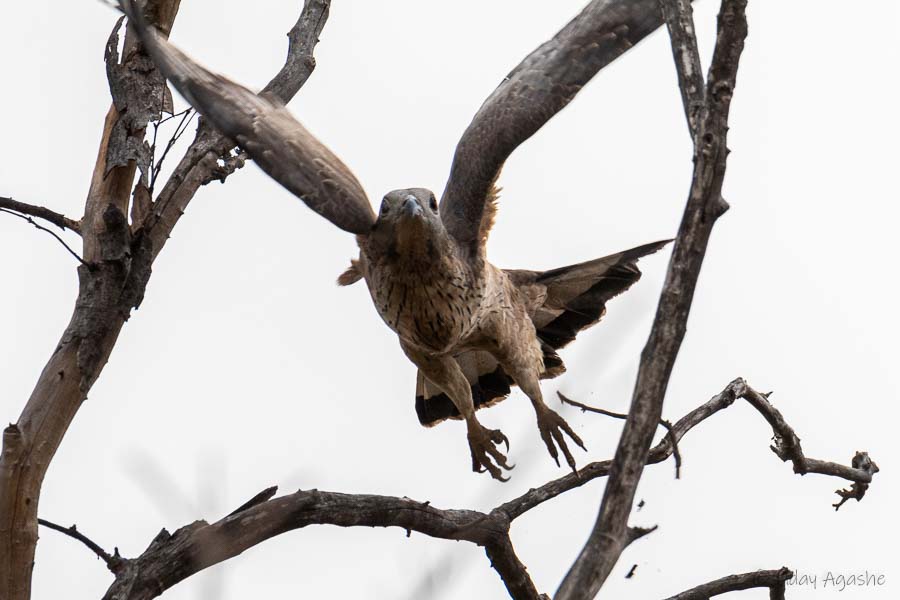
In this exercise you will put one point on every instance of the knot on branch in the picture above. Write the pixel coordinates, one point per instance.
(12, 445)
(115, 237)
(787, 447)
(225, 166)
(734, 390)
(863, 462)
(721, 92)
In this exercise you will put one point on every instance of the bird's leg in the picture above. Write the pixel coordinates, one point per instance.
(484, 443)
(550, 424)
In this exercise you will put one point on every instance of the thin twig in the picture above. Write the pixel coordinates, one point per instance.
(187, 116)
(259, 498)
(61, 221)
(53, 233)
(601, 411)
(112, 561)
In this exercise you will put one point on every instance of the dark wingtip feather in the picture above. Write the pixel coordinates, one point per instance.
(588, 307)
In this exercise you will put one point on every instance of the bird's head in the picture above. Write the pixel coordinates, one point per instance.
(409, 225)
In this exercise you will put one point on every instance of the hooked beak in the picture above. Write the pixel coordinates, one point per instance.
(411, 208)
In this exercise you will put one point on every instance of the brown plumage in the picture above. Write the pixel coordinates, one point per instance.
(560, 303)
(472, 329)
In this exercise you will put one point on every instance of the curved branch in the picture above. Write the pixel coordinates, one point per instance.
(738, 389)
(774, 580)
(171, 558)
(200, 163)
(113, 561)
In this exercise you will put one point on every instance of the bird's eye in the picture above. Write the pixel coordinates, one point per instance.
(385, 207)
(432, 203)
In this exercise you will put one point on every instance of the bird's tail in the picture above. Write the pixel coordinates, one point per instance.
(561, 302)
(573, 298)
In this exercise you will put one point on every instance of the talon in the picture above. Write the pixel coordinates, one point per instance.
(575, 438)
(486, 456)
(551, 427)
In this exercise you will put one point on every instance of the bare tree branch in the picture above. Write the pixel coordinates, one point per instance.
(774, 580)
(600, 411)
(787, 448)
(172, 558)
(259, 498)
(121, 258)
(61, 221)
(678, 15)
(609, 535)
(861, 462)
(300, 62)
(259, 519)
(200, 165)
(108, 290)
(737, 389)
(113, 561)
(511, 570)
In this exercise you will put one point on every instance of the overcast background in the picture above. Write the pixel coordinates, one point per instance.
(246, 366)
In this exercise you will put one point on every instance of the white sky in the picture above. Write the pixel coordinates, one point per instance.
(247, 367)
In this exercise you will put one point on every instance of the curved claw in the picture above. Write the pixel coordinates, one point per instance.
(497, 437)
(486, 456)
(551, 427)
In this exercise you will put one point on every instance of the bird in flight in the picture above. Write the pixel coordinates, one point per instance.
(472, 329)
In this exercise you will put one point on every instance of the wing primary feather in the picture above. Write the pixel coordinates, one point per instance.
(539, 87)
(265, 129)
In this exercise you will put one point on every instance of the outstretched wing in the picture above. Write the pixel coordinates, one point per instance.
(265, 129)
(529, 96)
